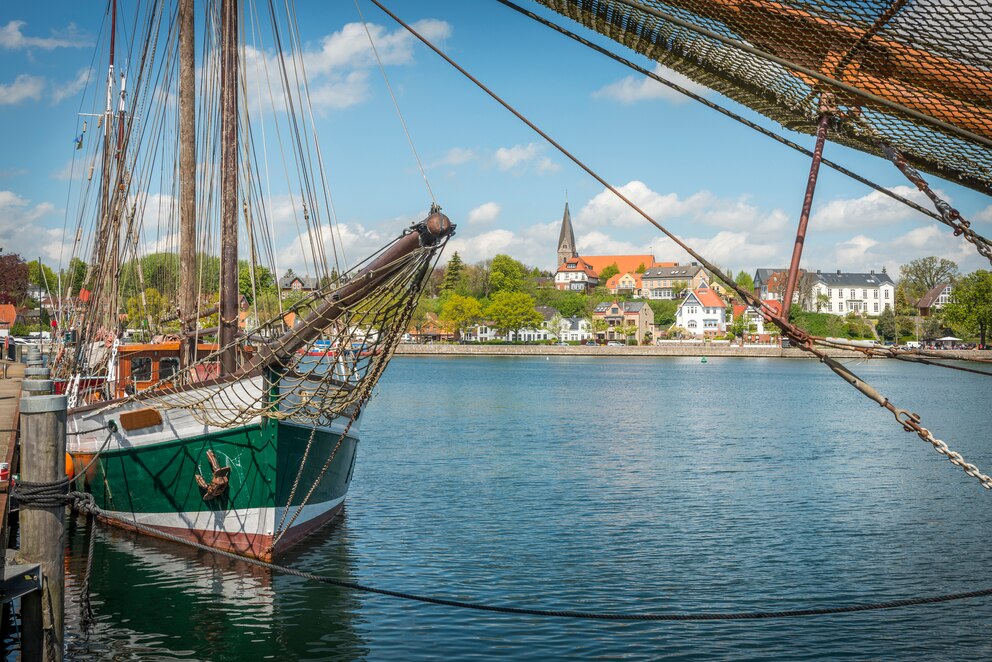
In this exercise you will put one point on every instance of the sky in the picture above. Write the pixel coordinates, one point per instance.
(731, 193)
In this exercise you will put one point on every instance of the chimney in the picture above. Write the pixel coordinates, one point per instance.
(817, 271)
(872, 272)
(838, 272)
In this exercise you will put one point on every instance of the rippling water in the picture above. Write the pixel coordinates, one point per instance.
(628, 485)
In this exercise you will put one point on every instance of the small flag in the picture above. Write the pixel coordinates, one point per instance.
(79, 141)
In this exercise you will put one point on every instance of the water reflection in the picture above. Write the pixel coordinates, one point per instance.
(152, 599)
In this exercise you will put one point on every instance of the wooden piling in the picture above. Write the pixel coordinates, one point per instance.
(43, 419)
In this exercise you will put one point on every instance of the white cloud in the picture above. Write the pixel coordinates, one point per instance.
(338, 68)
(484, 213)
(726, 249)
(11, 38)
(71, 88)
(455, 156)
(23, 87)
(508, 158)
(632, 89)
(8, 173)
(18, 233)
(546, 165)
(872, 210)
(984, 216)
(530, 246)
(607, 209)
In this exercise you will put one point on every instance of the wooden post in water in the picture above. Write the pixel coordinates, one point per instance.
(43, 461)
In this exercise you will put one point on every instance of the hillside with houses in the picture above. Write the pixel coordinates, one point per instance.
(587, 299)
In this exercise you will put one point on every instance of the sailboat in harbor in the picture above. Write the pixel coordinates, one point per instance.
(235, 421)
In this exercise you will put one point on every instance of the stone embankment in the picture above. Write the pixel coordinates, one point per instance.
(673, 349)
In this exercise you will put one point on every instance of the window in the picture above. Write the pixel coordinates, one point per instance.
(886, 294)
(167, 368)
(141, 369)
(691, 324)
(874, 294)
(876, 306)
(864, 294)
(853, 294)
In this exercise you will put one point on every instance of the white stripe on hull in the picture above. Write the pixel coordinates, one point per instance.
(247, 521)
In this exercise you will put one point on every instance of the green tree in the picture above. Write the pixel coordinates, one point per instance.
(73, 276)
(512, 311)
(641, 268)
(664, 311)
(627, 330)
(460, 313)
(922, 274)
(744, 280)
(599, 326)
(454, 275)
(265, 282)
(42, 275)
(608, 272)
(506, 274)
(150, 310)
(886, 327)
(971, 303)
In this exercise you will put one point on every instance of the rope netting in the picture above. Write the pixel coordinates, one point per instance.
(916, 76)
(319, 359)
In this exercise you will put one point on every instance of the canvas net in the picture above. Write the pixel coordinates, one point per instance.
(915, 75)
(319, 366)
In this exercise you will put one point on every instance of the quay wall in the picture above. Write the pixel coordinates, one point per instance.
(674, 349)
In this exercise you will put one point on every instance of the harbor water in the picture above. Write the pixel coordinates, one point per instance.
(598, 484)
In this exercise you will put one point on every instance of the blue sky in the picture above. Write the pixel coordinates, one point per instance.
(730, 192)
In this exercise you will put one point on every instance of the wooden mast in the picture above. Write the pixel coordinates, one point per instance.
(228, 322)
(187, 182)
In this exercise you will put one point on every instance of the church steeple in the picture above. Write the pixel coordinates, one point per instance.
(566, 238)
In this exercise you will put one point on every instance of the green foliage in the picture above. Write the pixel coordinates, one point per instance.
(42, 275)
(641, 268)
(568, 303)
(454, 276)
(922, 274)
(73, 276)
(506, 274)
(664, 311)
(820, 324)
(609, 272)
(460, 313)
(887, 327)
(511, 311)
(971, 304)
(154, 307)
(744, 280)
(265, 282)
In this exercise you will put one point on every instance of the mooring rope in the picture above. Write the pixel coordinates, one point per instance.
(83, 502)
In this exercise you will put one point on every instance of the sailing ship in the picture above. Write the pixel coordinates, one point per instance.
(243, 435)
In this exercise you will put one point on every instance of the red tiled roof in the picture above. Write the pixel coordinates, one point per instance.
(580, 265)
(709, 298)
(775, 305)
(624, 263)
(8, 314)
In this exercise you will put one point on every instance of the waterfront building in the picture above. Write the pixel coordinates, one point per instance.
(841, 293)
(576, 329)
(671, 280)
(935, 299)
(702, 313)
(618, 314)
(754, 322)
(626, 283)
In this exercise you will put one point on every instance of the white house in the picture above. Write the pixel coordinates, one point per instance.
(841, 293)
(702, 313)
(577, 275)
(575, 329)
